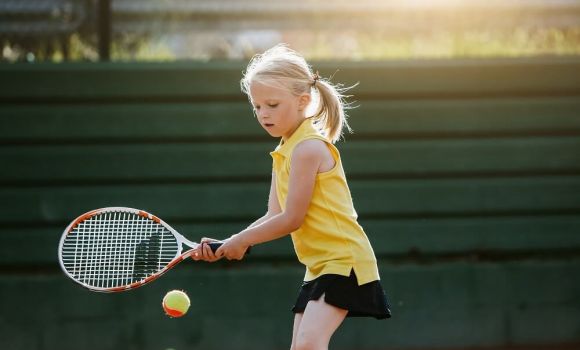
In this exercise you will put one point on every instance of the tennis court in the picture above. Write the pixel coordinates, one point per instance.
(465, 174)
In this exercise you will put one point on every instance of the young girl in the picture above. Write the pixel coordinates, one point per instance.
(309, 199)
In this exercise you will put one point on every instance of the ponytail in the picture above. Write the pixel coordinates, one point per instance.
(330, 116)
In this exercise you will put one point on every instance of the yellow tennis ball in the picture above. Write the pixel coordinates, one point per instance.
(176, 303)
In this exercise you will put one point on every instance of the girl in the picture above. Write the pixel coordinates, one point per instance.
(309, 198)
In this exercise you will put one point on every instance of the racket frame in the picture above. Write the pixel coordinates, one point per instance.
(179, 256)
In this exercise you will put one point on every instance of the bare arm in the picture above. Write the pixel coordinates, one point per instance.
(203, 252)
(306, 161)
(273, 204)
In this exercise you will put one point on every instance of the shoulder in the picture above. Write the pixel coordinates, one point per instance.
(310, 149)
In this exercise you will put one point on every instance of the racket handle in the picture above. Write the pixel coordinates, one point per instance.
(215, 245)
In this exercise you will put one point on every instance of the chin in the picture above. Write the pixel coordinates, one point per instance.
(272, 133)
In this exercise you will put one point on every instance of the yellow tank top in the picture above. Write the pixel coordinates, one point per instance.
(330, 240)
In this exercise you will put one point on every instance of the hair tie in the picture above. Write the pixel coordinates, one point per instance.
(315, 78)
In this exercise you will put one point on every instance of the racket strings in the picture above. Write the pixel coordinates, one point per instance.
(114, 249)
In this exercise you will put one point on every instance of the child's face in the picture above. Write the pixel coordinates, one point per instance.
(278, 111)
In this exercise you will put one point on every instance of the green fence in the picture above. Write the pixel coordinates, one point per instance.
(465, 174)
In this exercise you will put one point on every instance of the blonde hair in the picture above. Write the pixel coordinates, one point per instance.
(285, 68)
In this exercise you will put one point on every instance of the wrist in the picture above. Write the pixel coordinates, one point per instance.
(243, 238)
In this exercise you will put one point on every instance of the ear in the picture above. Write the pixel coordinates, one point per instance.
(303, 101)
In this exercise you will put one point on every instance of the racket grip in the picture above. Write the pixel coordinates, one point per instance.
(215, 245)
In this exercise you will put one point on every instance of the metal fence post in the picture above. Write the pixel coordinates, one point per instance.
(104, 29)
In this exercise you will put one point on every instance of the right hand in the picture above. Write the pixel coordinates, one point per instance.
(204, 252)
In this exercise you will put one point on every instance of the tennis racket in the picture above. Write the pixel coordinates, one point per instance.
(117, 249)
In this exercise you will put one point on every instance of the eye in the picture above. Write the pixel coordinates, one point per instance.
(273, 105)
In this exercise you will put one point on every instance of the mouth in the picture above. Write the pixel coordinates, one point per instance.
(268, 125)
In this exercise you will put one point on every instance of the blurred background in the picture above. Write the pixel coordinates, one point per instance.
(169, 30)
(464, 166)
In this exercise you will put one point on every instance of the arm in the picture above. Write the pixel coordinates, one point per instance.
(273, 204)
(204, 252)
(306, 161)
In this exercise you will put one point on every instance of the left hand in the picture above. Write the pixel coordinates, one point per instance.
(204, 252)
(234, 248)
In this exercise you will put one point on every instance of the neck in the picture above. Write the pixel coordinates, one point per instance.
(299, 122)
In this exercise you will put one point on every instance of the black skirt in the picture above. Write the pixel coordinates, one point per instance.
(367, 300)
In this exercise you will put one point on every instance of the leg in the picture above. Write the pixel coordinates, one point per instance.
(319, 322)
(297, 320)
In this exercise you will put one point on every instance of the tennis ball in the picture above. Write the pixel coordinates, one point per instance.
(175, 303)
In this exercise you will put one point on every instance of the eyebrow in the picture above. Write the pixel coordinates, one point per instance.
(270, 100)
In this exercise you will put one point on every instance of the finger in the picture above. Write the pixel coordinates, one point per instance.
(203, 252)
(196, 255)
(215, 245)
(219, 252)
(241, 254)
(207, 240)
(233, 256)
(208, 253)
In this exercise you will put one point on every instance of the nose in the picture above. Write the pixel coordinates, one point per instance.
(261, 114)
